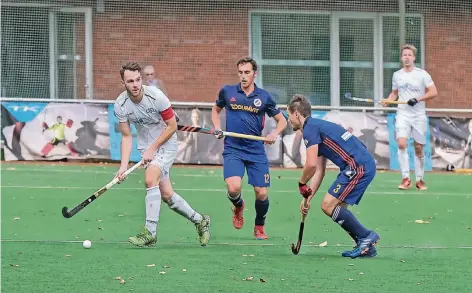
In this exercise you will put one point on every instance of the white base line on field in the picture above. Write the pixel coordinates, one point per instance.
(237, 244)
(295, 191)
(173, 174)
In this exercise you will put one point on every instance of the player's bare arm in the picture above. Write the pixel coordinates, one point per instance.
(126, 147)
(216, 120)
(311, 164)
(171, 128)
(281, 125)
(314, 184)
(431, 92)
(308, 171)
(392, 97)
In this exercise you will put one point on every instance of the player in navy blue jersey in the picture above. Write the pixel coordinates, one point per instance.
(324, 141)
(246, 106)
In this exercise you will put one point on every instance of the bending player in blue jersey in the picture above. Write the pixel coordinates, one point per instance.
(325, 140)
(246, 106)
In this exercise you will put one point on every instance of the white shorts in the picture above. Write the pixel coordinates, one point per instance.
(411, 128)
(164, 158)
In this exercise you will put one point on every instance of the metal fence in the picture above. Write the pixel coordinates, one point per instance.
(74, 49)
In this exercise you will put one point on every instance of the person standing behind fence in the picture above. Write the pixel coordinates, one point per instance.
(414, 86)
(151, 112)
(149, 74)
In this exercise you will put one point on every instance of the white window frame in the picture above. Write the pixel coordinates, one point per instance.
(255, 50)
(53, 86)
(52, 38)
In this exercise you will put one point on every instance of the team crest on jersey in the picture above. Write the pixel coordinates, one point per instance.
(257, 102)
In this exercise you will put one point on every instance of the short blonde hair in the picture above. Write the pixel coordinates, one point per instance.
(408, 47)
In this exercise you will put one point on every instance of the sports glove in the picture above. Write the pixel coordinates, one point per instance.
(304, 189)
(217, 133)
(412, 102)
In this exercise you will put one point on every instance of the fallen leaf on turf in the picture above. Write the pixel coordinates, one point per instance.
(122, 281)
(184, 270)
(402, 260)
(16, 218)
(100, 221)
(361, 273)
(350, 279)
(131, 278)
(118, 278)
(421, 222)
(323, 244)
(248, 279)
(165, 267)
(251, 255)
(14, 265)
(162, 273)
(68, 255)
(262, 280)
(151, 265)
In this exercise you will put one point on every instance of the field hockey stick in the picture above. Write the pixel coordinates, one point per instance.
(296, 249)
(96, 194)
(350, 97)
(225, 133)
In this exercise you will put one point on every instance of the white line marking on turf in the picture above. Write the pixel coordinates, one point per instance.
(426, 193)
(237, 244)
(174, 174)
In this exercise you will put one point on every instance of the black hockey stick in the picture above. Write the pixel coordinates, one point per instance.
(296, 249)
(96, 194)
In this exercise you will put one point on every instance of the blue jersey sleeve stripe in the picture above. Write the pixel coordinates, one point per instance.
(340, 152)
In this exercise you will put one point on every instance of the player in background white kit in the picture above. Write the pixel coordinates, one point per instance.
(415, 86)
(151, 112)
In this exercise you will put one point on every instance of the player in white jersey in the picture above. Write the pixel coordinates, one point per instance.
(414, 86)
(151, 112)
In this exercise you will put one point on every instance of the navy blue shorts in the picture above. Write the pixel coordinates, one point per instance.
(349, 186)
(257, 172)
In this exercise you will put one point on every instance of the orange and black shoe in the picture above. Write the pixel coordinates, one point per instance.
(406, 184)
(238, 218)
(420, 185)
(259, 232)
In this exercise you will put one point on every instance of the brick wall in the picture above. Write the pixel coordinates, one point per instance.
(449, 60)
(194, 63)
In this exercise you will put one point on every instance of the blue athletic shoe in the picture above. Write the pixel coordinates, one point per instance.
(372, 252)
(364, 245)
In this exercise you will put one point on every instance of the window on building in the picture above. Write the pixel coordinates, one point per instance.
(325, 55)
